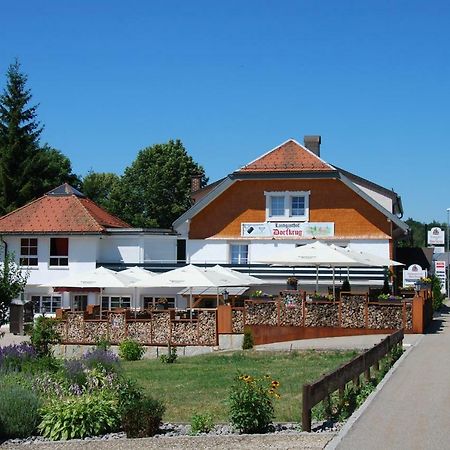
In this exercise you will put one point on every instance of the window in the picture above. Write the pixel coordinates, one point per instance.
(297, 206)
(159, 302)
(113, 301)
(80, 302)
(287, 206)
(59, 251)
(28, 252)
(276, 206)
(239, 253)
(46, 304)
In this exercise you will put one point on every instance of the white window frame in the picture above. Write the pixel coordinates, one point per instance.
(120, 296)
(27, 257)
(58, 258)
(230, 252)
(55, 303)
(287, 216)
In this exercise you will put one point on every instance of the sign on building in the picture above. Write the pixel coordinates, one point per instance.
(440, 272)
(287, 230)
(412, 274)
(436, 236)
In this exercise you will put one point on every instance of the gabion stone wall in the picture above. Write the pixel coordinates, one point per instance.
(159, 330)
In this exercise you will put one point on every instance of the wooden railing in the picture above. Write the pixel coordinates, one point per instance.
(315, 392)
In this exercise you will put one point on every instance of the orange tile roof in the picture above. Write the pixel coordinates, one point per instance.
(60, 214)
(288, 157)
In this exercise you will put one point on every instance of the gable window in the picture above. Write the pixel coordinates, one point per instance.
(287, 206)
(59, 251)
(28, 252)
(239, 253)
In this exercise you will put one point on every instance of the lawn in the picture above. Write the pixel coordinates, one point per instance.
(201, 383)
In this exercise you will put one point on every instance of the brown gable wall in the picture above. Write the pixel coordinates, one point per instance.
(329, 201)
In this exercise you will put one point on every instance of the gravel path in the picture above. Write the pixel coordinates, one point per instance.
(258, 441)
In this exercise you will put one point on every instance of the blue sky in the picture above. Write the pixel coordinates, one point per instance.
(234, 79)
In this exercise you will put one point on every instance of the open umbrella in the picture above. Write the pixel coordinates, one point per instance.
(98, 278)
(191, 277)
(315, 255)
(367, 258)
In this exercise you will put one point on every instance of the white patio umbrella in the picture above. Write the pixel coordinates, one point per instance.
(367, 258)
(315, 255)
(248, 280)
(141, 275)
(138, 272)
(190, 276)
(98, 278)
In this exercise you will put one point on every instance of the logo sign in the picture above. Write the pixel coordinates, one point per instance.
(287, 230)
(412, 274)
(436, 236)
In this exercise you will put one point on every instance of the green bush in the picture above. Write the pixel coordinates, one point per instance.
(143, 418)
(19, 411)
(438, 297)
(128, 394)
(130, 350)
(79, 417)
(251, 403)
(247, 344)
(171, 356)
(201, 423)
(103, 343)
(346, 286)
(44, 335)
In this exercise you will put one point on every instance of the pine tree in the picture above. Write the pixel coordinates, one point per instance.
(19, 140)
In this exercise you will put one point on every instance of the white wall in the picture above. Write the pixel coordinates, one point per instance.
(135, 249)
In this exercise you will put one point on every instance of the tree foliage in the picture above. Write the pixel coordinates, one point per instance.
(26, 169)
(156, 188)
(418, 234)
(98, 186)
(12, 284)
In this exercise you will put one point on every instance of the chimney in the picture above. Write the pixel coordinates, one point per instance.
(196, 179)
(312, 143)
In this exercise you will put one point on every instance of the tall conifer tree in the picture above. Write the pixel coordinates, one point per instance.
(19, 140)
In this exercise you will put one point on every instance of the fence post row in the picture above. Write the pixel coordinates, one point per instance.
(315, 392)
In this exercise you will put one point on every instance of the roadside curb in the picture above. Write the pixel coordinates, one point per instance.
(333, 444)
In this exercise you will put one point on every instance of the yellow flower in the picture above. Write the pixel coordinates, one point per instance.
(275, 383)
(247, 378)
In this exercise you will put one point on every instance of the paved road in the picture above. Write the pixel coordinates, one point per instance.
(412, 411)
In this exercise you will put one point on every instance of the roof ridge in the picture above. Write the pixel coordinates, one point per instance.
(91, 218)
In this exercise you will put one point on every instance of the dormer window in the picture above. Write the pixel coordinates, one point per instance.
(289, 206)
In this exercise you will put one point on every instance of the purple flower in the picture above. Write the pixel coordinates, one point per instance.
(12, 356)
(101, 358)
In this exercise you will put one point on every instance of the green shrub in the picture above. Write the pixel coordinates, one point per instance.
(171, 356)
(19, 411)
(251, 403)
(128, 394)
(44, 335)
(103, 343)
(130, 350)
(247, 344)
(201, 423)
(79, 417)
(143, 418)
(438, 297)
(346, 286)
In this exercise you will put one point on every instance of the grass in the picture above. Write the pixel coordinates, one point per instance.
(201, 383)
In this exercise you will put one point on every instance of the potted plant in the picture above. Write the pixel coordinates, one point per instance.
(292, 283)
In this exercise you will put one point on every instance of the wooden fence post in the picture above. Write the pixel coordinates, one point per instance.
(306, 412)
